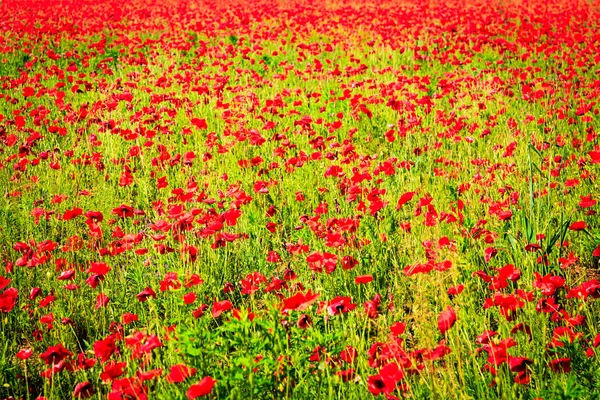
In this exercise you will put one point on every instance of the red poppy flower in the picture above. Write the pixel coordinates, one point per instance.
(362, 279)
(299, 301)
(98, 268)
(4, 282)
(189, 298)
(102, 300)
(129, 318)
(24, 354)
(405, 198)
(317, 261)
(588, 288)
(202, 388)
(112, 370)
(346, 374)
(105, 348)
(123, 211)
(85, 363)
(8, 299)
(128, 388)
(398, 328)
(340, 304)
(67, 275)
(587, 202)
(55, 354)
(70, 214)
(304, 321)
(519, 364)
(197, 313)
(456, 290)
(179, 373)
(386, 380)
(273, 257)
(193, 280)
(435, 354)
(94, 216)
(349, 262)
(153, 374)
(578, 226)
(83, 390)
(146, 294)
(28, 91)
(372, 306)
(199, 123)
(446, 320)
(151, 342)
(219, 307)
(505, 215)
(560, 365)
(349, 354)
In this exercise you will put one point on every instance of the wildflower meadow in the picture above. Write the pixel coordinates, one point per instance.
(299, 199)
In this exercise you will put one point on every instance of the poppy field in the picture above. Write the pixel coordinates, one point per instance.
(299, 199)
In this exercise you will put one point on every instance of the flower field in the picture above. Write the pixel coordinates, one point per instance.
(299, 199)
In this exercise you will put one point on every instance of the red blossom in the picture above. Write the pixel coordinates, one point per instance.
(362, 279)
(129, 318)
(105, 348)
(189, 298)
(4, 282)
(179, 373)
(55, 354)
(219, 307)
(123, 211)
(456, 290)
(578, 226)
(446, 320)
(340, 304)
(146, 294)
(102, 300)
(299, 301)
(24, 354)
(405, 198)
(203, 388)
(113, 370)
(8, 299)
(83, 390)
(562, 365)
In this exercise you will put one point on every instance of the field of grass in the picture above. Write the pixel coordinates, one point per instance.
(299, 199)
